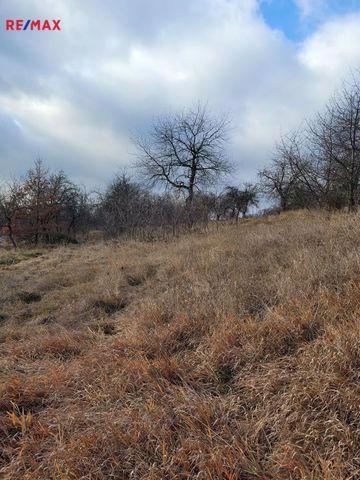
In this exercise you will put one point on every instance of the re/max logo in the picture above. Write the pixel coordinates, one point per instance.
(21, 24)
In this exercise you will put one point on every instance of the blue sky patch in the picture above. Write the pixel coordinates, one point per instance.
(285, 15)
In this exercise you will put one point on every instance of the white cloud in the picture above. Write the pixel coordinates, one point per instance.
(56, 122)
(334, 48)
(309, 8)
(81, 94)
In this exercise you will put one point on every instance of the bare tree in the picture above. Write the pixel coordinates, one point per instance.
(36, 187)
(321, 142)
(345, 108)
(11, 201)
(278, 180)
(42, 206)
(217, 205)
(308, 187)
(319, 166)
(184, 151)
(122, 207)
(238, 200)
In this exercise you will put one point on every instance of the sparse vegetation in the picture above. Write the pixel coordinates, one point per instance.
(226, 354)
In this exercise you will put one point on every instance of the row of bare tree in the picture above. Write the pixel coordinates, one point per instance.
(45, 207)
(127, 208)
(181, 158)
(318, 166)
(179, 161)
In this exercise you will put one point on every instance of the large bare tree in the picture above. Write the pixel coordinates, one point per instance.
(184, 151)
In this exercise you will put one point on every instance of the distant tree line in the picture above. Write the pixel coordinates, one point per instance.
(47, 208)
(183, 157)
(179, 162)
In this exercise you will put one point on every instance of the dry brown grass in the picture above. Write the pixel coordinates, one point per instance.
(232, 354)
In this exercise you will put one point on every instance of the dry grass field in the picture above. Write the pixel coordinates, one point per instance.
(231, 354)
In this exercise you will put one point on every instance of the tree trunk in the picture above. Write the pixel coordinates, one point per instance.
(11, 236)
(351, 201)
(190, 198)
(283, 204)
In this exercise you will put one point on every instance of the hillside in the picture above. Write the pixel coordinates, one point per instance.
(228, 354)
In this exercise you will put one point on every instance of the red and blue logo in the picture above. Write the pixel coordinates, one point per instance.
(39, 25)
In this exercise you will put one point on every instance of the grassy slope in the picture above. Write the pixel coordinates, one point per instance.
(227, 355)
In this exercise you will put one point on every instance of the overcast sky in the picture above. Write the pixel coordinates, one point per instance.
(74, 98)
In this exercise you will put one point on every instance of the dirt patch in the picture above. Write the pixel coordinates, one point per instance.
(109, 306)
(29, 297)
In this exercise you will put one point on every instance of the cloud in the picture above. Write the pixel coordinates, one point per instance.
(309, 8)
(334, 48)
(76, 97)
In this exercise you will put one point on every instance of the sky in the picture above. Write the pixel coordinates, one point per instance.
(75, 98)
